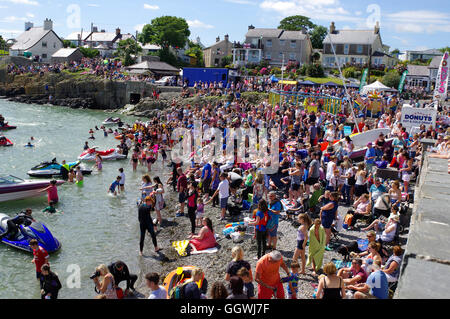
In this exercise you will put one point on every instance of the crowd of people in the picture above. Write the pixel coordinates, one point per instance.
(315, 181)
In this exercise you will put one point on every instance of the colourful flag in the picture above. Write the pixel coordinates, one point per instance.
(402, 81)
(363, 79)
(440, 91)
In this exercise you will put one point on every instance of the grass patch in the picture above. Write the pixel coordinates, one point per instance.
(324, 80)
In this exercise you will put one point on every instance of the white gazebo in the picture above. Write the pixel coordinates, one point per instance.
(377, 86)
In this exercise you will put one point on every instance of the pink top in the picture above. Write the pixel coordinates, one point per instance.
(208, 241)
(52, 194)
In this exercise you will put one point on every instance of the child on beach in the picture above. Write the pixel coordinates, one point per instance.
(302, 238)
(112, 188)
(249, 288)
(292, 280)
(199, 213)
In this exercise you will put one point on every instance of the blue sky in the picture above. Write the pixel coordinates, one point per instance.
(407, 25)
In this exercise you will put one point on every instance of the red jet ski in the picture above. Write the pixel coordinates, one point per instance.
(5, 142)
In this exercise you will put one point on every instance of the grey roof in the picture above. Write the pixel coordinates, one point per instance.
(378, 53)
(419, 70)
(293, 35)
(429, 51)
(127, 36)
(64, 52)
(216, 44)
(263, 32)
(74, 36)
(352, 37)
(29, 38)
(153, 65)
(435, 62)
(150, 46)
(101, 37)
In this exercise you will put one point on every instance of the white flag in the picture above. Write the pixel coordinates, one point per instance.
(440, 90)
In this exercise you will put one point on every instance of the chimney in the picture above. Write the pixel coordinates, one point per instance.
(118, 31)
(332, 28)
(250, 27)
(102, 30)
(377, 28)
(217, 39)
(94, 29)
(28, 25)
(226, 37)
(48, 24)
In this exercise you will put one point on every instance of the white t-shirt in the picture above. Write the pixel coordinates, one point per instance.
(160, 293)
(122, 179)
(224, 189)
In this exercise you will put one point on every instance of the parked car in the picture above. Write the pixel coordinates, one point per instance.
(164, 81)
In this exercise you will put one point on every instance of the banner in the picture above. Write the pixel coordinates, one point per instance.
(440, 91)
(414, 117)
(402, 81)
(363, 79)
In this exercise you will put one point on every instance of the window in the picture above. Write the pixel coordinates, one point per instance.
(44, 44)
(44, 56)
(282, 42)
(359, 49)
(269, 43)
(346, 48)
(268, 56)
(291, 56)
(280, 55)
(293, 44)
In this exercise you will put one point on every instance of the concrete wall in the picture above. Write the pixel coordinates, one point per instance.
(425, 272)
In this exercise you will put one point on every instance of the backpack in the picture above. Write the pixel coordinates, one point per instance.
(177, 292)
(265, 220)
(348, 219)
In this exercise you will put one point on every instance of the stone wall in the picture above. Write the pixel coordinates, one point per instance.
(425, 272)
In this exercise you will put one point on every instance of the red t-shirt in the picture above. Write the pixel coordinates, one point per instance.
(40, 258)
(52, 194)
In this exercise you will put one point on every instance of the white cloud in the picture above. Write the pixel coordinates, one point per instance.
(26, 2)
(241, 2)
(30, 15)
(13, 19)
(421, 21)
(7, 33)
(94, 5)
(150, 7)
(199, 24)
(329, 10)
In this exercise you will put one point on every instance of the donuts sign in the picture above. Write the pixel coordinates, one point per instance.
(440, 92)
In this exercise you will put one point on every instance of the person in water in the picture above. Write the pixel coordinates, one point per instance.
(64, 170)
(51, 208)
(79, 177)
(52, 192)
(29, 145)
(71, 176)
(114, 185)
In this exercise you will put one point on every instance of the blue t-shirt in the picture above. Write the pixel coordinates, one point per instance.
(113, 186)
(273, 218)
(260, 214)
(370, 153)
(249, 290)
(378, 283)
(206, 171)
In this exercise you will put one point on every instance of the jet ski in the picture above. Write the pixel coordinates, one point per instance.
(36, 231)
(5, 142)
(111, 154)
(6, 127)
(53, 168)
(111, 121)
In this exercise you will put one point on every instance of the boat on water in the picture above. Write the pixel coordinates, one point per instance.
(53, 168)
(6, 127)
(4, 141)
(24, 234)
(111, 121)
(111, 154)
(13, 188)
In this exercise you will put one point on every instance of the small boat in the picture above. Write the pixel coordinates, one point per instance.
(5, 142)
(13, 188)
(36, 231)
(53, 168)
(119, 137)
(178, 276)
(111, 121)
(111, 154)
(6, 127)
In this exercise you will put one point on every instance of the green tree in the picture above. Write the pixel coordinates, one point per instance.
(315, 71)
(89, 53)
(317, 36)
(296, 23)
(68, 44)
(165, 55)
(195, 51)
(391, 79)
(349, 72)
(226, 60)
(395, 51)
(166, 31)
(127, 48)
(443, 50)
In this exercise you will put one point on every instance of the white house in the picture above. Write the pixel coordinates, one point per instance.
(41, 42)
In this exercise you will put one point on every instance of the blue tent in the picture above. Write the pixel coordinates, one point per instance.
(330, 84)
(307, 83)
(273, 78)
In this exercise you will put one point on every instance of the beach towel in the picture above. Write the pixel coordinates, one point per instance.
(180, 246)
(205, 251)
(341, 264)
(287, 205)
(316, 248)
(363, 244)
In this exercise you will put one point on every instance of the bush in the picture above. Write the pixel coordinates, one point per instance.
(275, 70)
(377, 72)
(349, 72)
(315, 71)
(391, 79)
(89, 53)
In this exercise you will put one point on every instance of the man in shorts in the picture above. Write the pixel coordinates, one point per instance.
(313, 173)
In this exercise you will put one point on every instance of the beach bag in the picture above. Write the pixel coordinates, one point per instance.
(119, 293)
(177, 292)
(348, 219)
